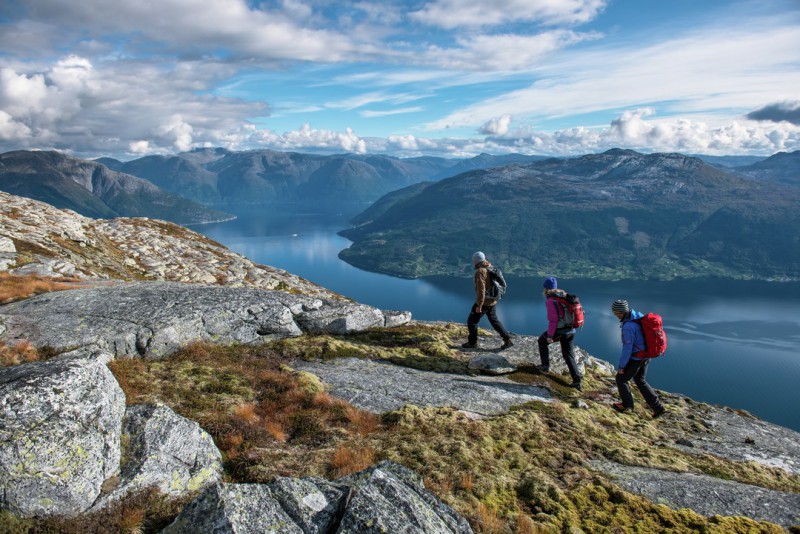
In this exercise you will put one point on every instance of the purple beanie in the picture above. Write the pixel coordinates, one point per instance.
(550, 283)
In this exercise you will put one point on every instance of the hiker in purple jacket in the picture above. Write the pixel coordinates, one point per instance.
(629, 365)
(557, 331)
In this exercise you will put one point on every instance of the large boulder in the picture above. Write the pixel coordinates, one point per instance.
(384, 498)
(166, 451)
(154, 319)
(60, 428)
(234, 509)
(392, 498)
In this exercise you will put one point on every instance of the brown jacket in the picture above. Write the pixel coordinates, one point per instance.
(481, 281)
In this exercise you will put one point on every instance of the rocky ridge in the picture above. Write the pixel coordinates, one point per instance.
(36, 238)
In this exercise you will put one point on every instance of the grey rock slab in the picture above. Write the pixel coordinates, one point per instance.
(315, 504)
(6, 245)
(234, 509)
(492, 364)
(414, 484)
(706, 495)
(387, 501)
(154, 319)
(342, 319)
(394, 318)
(60, 428)
(380, 387)
(165, 451)
(740, 437)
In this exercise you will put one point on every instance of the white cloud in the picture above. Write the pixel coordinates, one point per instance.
(705, 71)
(194, 27)
(398, 111)
(452, 14)
(499, 53)
(498, 126)
(308, 138)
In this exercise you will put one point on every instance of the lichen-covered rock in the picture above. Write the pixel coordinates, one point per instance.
(60, 427)
(394, 318)
(392, 498)
(315, 504)
(492, 364)
(234, 509)
(342, 319)
(154, 319)
(166, 451)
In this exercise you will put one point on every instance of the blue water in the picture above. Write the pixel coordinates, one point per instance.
(730, 343)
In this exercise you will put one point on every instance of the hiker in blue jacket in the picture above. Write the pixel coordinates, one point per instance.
(629, 365)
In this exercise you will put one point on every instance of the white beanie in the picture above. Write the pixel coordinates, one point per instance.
(477, 258)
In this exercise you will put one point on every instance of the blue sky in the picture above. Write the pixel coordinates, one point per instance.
(450, 78)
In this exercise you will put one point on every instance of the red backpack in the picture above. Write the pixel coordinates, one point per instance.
(573, 311)
(655, 338)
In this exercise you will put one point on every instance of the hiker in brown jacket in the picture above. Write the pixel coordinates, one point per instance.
(483, 305)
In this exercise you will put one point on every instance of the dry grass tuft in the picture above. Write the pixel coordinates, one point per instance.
(15, 287)
(488, 520)
(349, 458)
(17, 353)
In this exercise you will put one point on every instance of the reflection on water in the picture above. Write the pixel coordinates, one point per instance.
(731, 343)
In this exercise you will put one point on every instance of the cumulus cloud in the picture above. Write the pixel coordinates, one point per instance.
(73, 105)
(308, 138)
(194, 27)
(782, 111)
(452, 14)
(498, 126)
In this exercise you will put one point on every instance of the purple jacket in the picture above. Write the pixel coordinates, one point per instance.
(555, 312)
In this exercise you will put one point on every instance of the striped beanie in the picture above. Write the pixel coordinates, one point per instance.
(620, 306)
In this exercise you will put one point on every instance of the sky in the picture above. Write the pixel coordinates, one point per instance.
(450, 78)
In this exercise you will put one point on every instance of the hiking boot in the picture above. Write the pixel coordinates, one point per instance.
(576, 385)
(658, 412)
(543, 368)
(621, 408)
(469, 345)
(506, 344)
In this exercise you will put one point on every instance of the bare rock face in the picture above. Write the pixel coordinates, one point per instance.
(165, 451)
(384, 498)
(59, 242)
(60, 428)
(154, 319)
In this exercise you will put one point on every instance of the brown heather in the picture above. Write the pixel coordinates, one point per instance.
(17, 353)
(17, 287)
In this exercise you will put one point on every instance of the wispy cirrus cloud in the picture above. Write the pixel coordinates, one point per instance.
(452, 14)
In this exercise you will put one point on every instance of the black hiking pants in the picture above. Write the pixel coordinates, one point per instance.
(637, 369)
(475, 317)
(567, 342)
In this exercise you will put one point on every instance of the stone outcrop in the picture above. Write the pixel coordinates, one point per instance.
(707, 495)
(60, 428)
(165, 451)
(381, 387)
(384, 498)
(153, 319)
(54, 242)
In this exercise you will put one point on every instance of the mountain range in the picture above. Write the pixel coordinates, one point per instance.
(94, 190)
(343, 182)
(615, 215)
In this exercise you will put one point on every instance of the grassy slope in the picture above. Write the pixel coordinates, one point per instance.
(526, 471)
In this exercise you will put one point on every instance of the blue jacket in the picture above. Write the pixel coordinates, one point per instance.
(632, 338)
